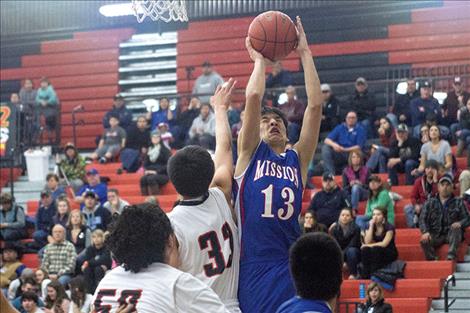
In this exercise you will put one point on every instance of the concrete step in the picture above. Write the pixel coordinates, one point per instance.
(450, 311)
(463, 267)
(459, 304)
(462, 275)
(467, 258)
(457, 294)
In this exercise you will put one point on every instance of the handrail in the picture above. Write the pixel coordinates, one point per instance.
(450, 278)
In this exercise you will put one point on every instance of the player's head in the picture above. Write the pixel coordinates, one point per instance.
(316, 275)
(273, 126)
(191, 170)
(140, 237)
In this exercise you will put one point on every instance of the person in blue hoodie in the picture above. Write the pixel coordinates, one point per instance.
(47, 105)
(97, 217)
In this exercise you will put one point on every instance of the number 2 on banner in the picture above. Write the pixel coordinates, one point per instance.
(287, 194)
(4, 115)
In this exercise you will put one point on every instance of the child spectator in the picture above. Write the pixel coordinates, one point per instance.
(77, 232)
(12, 219)
(96, 262)
(375, 300)
(44, 218)
(72, 167)
(311, 224)
(11, 266)
(57, 299)
(137, 143)
(42, 278)
(52, 185)
(155, 174)
(165, 135)
(377, 162)
(112, 141)
(80, 298)
(356, 178)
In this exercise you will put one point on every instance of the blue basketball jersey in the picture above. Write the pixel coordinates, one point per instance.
(299, 305)
(269, 202)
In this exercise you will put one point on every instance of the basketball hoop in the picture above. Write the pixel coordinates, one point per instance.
(165, 10)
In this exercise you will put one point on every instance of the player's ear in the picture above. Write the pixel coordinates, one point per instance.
(171, 252)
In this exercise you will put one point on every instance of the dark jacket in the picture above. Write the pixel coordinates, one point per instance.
(464, 118)
(328, 205)
(98, 218)
(137, 139)
(433, 219)
(379, 307)
(402, 105)
(160, 164)
(409, 150)
(363, 105)
(283, 79)
(125, 117)
(451, 104)
(331, 113)
(185, 119)
(97, 257)
(351, 240)
(44, 217)
(421, 108)
(294, 111)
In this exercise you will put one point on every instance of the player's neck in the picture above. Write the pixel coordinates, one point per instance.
(278, 148)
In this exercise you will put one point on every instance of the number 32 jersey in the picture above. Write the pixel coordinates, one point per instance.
(208, 244)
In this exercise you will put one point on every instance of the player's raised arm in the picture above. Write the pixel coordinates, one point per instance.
(223, 138)
(309, 134)
(249, 136)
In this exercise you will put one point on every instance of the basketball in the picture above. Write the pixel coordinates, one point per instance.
(273, 34)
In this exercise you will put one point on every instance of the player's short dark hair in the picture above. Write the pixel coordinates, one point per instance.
(139, 236)
(29, 295)
(268, 110)
(316, 263)
(191, 170)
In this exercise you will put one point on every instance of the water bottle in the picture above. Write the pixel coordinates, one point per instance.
(362, 291)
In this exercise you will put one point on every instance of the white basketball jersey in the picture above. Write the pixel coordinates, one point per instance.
(208, 244)
(158, 288)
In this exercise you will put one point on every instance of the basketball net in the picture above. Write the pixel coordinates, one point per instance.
(165, 10)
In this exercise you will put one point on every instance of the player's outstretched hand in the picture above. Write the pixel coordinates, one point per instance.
(302, 44)
(255, 55)
(223, 94)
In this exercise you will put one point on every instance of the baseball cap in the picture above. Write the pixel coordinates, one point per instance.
(328, 176)
(446, 177)
(457, 80)
(402, 128)
(361, 80)
(206, 63)
(90, 194)
(45, 193)
(426, 84)
(92, 171)
(325, 87)
(118, 96)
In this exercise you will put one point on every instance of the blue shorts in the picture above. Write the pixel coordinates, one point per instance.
(264, 286)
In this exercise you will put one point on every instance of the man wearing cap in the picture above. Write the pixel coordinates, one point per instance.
(205, 85)
(423, 107)
(443, 220)
(72, 166)
(120, 110)
(330, 117)
(404, 155)
(456, 99)
(11, 266)
(328, 203)
(344, 138)
(424, 188)
(294, 112)
(12, 219)
(44, 221)
(363, 105)
(59, 257)
(400, 112)
(96, 215)
(93, 184)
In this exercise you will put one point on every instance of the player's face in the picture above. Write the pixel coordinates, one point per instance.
(272, 129)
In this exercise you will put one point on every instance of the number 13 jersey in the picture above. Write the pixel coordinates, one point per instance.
(208, 244)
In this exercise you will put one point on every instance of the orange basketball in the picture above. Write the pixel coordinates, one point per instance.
(273, 34)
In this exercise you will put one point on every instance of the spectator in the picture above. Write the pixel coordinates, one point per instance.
(205, 85)
(294, 112)
(15, 290)
(456, 99)
(47, 103)
(378, 198)
(328, 203)
(22, 115)
(29, 286)
(464, 179)
(330, 110)
(311, 224)
(377, 162)
(44, 218)
(77, 232)
(97, 261)
(379, 248)
(57, 299)
(317, 276)
(436, 149)
(165, 136)
(363, 105)
(236, 128)
(233, 114)
(59, 257)
(462, 129)
(30, 303)
(115, 204)
(163, 115)
(356, 179)
(28, 96)
(344, 138)
(111, 143)
(52, 185)
(138, 140)
(155, 174)
(12, 219)
(202, 131)
(72, 167)
(80, 298)
(375, 300)
(423, 108)
(119, 110)
(424, 188)
(424, 134)
(183, 122)
(11, 266)
(348, 236)
(96, 216)
(93, 184)
(404, 155)
(42, 279)
(63, 212)
(400, 113)
(443, 220)
(278, 78)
